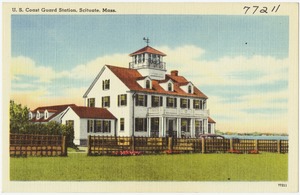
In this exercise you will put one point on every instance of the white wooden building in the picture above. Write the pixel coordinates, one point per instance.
(147, 101)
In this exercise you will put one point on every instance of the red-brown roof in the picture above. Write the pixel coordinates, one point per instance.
(210, 120)
(130, 76)
(92, 112)
(147, 49)
(57, 108)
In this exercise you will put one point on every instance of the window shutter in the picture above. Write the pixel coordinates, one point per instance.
(119, 100)
(160, 101)
(145, 128)
(108, 104)
(188, 103)
(102, 101)
(136, 100)
(108, 84)
(103, 85)
(175, 102)
(109, 125)
(88, 126)
(146, 100)
(125, 100)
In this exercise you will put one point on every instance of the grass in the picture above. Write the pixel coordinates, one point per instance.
(181, 167)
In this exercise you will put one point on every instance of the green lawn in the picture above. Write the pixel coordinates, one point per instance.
(183, 167)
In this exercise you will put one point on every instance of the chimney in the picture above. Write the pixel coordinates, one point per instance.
(174, 73)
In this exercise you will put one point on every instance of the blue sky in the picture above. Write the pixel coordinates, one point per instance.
(239, 62)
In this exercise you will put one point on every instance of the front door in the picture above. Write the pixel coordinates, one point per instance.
(171, 128)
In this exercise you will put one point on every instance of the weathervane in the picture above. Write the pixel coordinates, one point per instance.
(146, 40)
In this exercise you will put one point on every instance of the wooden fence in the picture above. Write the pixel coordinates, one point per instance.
(107, 145)
(37, 145)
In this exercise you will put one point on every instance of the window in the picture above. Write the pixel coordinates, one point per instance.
(38, 115)
(70, 123)
(204, 104)
(122, 100)
(91, 102)
(106, 127)
(30, 115)
(90, 126)
(197, 104)
(171, 102)
(154, 126)
(170, 87)
(105, 84)
(148, 84)
(105, 101)
(198, 127)
(185, 125)
(141, 100)
(156, 101)
(209, 128)
(46, 114)
(184, 103)
(141, 124)
(98, 126)
(122, 124)
(190, 89)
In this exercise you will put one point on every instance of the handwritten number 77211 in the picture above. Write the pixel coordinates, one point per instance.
(258, 9)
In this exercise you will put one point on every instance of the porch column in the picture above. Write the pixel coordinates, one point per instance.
(178, 126)
(192, 127)
(162, 126)
(149, 126)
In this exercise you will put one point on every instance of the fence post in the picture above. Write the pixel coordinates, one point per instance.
(231, 144)
(170, 143)
(256, 144)
(63, 146)
(89, 145)
(279, 146)
(203, 145)
(132, 143)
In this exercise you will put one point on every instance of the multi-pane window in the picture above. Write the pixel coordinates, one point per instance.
(90, 126)
(184, 103)
(156, 101)
(105, 84)
(141, 124)
(170, 87)
(141, 100)
(147, 84)
(105, 101)
(122, 100)
(185, 125)
(154, 126)
(189, 89)
(98, 126)
(171, 102)
(122, 124)
(198, 127)
(70, 123)
(197, 104)
(91, 102)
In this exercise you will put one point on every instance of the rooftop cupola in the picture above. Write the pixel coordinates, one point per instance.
(149, 62)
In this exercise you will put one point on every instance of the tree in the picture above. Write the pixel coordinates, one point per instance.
(18, 117)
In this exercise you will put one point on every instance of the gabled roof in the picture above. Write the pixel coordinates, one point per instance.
(147, 49)
(92, 112)
(210, 120)
(57, 108)
(130, 76)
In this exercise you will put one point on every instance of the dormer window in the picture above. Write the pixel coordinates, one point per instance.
(170, 88)
(38, 115)
(46, 114)
(148, 84)
(30, 115)
(190, 89)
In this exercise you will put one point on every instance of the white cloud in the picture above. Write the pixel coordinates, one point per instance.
(25, 66)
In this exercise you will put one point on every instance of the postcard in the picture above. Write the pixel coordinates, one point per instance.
(150, 97)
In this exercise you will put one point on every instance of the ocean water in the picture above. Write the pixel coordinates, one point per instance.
(257, 137)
